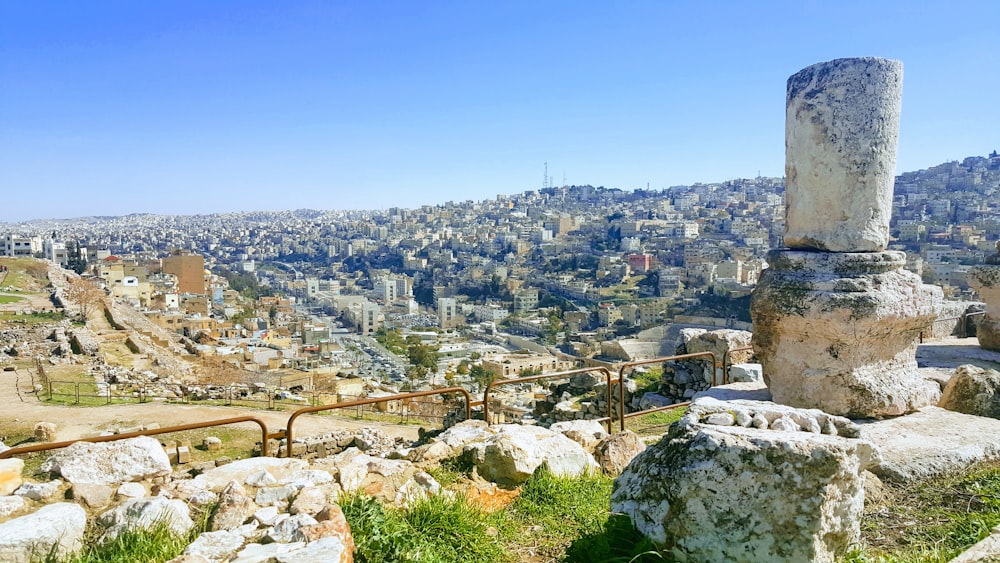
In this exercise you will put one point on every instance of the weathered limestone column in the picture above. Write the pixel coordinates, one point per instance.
(986, 281)
(837, 318)
(841, 131)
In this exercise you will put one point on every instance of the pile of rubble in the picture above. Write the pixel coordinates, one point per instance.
(271, 509)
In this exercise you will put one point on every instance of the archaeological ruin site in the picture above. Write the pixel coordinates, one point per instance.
(784, 433)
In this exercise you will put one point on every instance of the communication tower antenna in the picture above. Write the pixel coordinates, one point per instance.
(545, 177)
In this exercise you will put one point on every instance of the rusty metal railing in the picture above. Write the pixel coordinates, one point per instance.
(631, 365)
(151, 432)
(561, 374)
(963, 325)
(305, 410)
(726, 365)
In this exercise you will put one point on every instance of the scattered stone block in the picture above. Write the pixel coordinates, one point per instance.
(132, 459)
(45, 432)
(729, 493)
(183, 454)
(92, 495)
(55, 529)
(212, 443)
(10, 475)
(616, 451)
(146, 513)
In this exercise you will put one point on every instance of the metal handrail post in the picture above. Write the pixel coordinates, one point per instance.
(371, 400)
(630, 365)
(151, 432)
(530, 378)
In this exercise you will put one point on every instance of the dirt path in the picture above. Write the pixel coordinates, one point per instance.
(75, 422)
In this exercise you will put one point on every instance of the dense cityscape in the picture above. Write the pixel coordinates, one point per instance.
(463, 291)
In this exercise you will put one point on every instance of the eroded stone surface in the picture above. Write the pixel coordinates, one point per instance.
(513, 453)
(973, 390)
(110, 463)
(146, 513)
(986, 281)
(838, 332)
(729, 493)
(931, 442)
(54, 528)
(841, 133)
(10, 475)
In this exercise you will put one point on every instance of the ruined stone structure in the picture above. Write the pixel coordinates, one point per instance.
(986, 281)
(836, 317)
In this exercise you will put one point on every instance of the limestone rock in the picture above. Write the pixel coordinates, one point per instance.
(838, 332)
(744, 373)
(463, 433)
(616, 451)
(986, 281)
(285, 530)
(841, 133)
(309, 501)
(973, 390)
(266, 553)
(11, 504)
(325, 550)
(420, 486)
(93, 495)
(145, 513)
(45, 432)
(110, 463)
(216, 479)
(10, 475)
(588, 433)
(54, 528)
(40, 492)
(718, 342)
(514, 452)
(216, 546)
(131, 490)
(728, 493)
(235, 508)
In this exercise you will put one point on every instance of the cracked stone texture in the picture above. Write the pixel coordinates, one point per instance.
(986, 281)
(841, 134)
(730, 493)
(839, 331)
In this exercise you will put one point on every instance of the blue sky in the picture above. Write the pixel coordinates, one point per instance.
(116, 107)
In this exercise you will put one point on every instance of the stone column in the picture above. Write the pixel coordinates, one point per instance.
(841, 131)
(986, 281)
(836, 318)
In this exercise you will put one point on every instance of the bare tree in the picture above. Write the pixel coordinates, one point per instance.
(85, 294)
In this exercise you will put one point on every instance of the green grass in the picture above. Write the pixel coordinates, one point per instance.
(654, 423)
(4, 299)
(33, 318)
(436, 530)
(553, 519)
(932, 520)
(647, 381)
(155, 544)
(568, 519)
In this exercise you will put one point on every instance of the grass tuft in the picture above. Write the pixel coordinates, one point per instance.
(437, 529)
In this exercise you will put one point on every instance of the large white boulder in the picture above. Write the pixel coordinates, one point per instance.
(973, 390)
(742, 490)
(242, 470)
(513, 452)
(54, 528)
(109, 463)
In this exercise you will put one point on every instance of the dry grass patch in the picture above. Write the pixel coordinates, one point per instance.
(931, 520)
